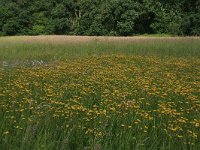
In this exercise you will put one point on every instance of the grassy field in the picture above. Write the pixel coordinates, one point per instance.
(100, 93)
(48, 48)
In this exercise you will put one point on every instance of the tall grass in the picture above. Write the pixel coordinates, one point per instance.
(115, 95)
(11, 49)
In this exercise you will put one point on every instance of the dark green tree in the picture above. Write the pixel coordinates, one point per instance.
(99, 17)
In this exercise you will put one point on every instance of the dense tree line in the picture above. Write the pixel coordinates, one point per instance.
(99, 17)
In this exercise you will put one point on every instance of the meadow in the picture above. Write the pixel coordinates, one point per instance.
(100, 93)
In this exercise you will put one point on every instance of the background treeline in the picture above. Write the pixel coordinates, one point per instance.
(99, 17)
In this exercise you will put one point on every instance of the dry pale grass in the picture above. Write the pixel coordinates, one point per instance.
(81, 39)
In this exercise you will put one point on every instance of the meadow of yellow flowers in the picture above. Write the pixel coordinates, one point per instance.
(102, 102)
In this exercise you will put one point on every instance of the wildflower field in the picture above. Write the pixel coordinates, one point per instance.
(119, 99)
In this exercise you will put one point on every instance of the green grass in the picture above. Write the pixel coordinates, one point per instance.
(11, 50)
(112, 95)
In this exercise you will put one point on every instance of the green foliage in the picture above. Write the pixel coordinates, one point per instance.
(191, 25)
(102, 17)
(38, 29)
(42, 24)
(11, 27)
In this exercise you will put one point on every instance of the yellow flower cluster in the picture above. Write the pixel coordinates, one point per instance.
(97, 94)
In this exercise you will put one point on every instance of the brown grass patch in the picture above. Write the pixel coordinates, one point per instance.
(81, 39)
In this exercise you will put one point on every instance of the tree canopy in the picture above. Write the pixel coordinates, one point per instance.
(99, 17)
